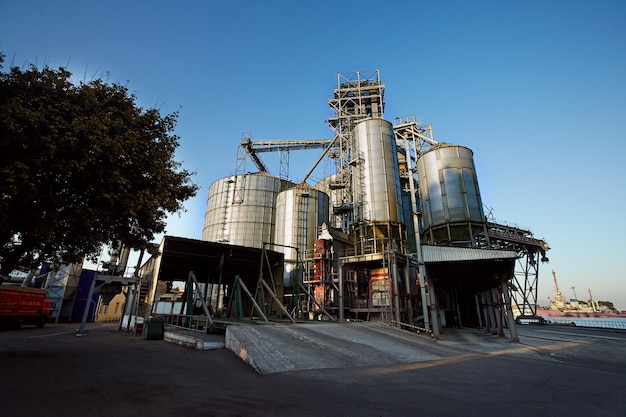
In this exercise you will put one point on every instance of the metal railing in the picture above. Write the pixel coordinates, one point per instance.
(186, 322)
(608, 323)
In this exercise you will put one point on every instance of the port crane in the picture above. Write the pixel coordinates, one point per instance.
(559, 299)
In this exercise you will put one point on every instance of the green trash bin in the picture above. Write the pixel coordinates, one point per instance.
(153, 329)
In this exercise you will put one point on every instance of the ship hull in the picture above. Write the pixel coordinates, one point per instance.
(579, 314)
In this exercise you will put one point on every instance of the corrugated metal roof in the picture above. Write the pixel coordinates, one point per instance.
(451, 254)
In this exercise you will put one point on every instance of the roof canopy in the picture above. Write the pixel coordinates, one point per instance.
(181, 255)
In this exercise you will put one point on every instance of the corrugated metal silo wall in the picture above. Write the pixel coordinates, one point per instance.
(376, 175)
(334, 196)
(300, 211)
(241, 209)
(449, 188)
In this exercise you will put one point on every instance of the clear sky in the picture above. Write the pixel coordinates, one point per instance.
(537, 89)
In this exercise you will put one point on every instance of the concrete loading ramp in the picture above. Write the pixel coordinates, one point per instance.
(272, 348)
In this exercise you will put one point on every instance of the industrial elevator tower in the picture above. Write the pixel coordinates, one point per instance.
(358, 95)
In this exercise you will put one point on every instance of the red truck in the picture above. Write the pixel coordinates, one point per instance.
(20, 305)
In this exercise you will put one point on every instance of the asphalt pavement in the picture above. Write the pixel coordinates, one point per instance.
(552, 371)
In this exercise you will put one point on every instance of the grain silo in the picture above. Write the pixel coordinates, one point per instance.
(241, 209)
(300, 211)
(378, 212)
(332, 187)
(452, 207)
(376, 176)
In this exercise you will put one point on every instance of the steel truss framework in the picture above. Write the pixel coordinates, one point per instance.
(358, 95)
(531, 252)
(251, 149)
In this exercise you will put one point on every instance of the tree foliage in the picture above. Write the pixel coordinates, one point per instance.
(608, 304)
(81, 165)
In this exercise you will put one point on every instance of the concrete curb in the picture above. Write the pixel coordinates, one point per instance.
(191, 341)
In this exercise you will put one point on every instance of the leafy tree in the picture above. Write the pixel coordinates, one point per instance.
(608, 304)
(81, 165)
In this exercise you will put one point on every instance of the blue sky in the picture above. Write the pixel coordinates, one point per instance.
(537, 89)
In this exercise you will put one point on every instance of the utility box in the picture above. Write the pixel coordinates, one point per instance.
(153, 329)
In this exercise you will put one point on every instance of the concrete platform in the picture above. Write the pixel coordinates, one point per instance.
(272, 348)
(192, 339)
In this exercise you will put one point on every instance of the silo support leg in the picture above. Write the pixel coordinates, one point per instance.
(509, 312)
(485, 311)
(275, 298)
(478, 311)
(497, 303)
(433, 309)
(409, 298)
(421, 277)
(396, 288)
(251, 298)
(492, 313)
(202, 297)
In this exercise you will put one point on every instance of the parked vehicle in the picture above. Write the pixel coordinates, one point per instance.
(22, 305)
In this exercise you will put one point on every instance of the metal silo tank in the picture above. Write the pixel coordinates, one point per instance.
(328, 186)
(241, 209)
(300, 211)
(451, 204)
(377, 192)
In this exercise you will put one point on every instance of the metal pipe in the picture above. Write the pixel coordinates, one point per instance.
(414, 217)
(421, 269)
(394, 280)
(340, 277)
(407, 286)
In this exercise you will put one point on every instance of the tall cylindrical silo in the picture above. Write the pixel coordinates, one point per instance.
(451, 204)
(300, 211)
(376, 179)
(333, 189)
(241, 209)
